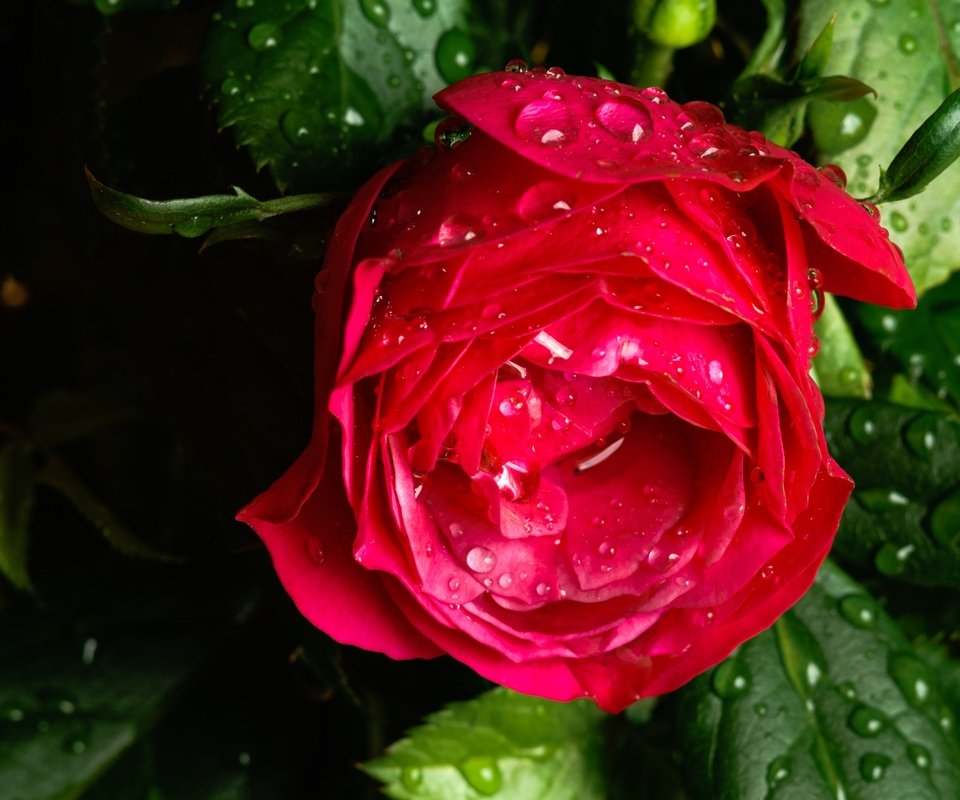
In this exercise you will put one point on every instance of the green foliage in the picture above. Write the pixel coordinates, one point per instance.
(831, 702)
(924, 344)
(503, 744)
(81, 687)
(839, 366)
(907, 52)
(17, 482)
(320, 91)
(904, 519)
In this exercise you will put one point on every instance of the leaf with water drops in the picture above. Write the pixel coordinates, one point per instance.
(831, 702)
(904, 518)
(501, 744)
(908, 52)
(923, 344)
(17, 483)
(839, 367)
(320, 91)
(84, 678)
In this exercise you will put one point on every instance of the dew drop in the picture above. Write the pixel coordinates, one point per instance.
(516, 65)
(453, 584)
(907, 43)
(411, 778)
(315, 550)
(778, 771)
(919, 755)
(545, 121)
(873, 766)
(264, 36)
(626, 121)
(859, 610)
(377, 11)
(898, 222)
(912, 678)
(834, 173)
(231, 87)
(296, 129)
(505, 581)
(425, 8)
(892, 559)
(865, 721)
(458, 229)
(862, 426)
(455, 55)
(945, 520)
(483, 774)
(543, 589)
(555, 73)
(481, 560)
(730, 679)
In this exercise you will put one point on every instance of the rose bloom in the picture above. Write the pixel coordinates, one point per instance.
(565, 430)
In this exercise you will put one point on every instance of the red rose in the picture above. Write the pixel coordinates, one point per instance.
(569, 436)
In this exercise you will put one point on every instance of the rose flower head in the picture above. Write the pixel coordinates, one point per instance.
(565, 430)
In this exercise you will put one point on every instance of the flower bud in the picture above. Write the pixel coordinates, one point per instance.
(675, 23)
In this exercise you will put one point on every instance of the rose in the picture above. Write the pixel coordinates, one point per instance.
(569, 435)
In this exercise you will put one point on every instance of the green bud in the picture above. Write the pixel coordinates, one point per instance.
(675, 23)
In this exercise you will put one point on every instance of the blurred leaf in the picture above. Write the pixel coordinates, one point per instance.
(839, 366)
(925, 342)
(195, 216)
(80, 687)
(502, 743)
(904, 50)
(62, 416)
(110, 7)
(831, 702)
(933, 147)
(815, 60)
(904, 518)
(770, 48)
(59, 476)
(775, 107)
(320, 90)
(17, 484)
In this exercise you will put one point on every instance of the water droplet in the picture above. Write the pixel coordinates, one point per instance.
(295, 127)
(452, 132)
(458, 229)
(411, 778)
(778, 771)
(919, 755)
(231, 87)
(661, 559)
(859, 610)
(921, 436)
(627, 121)
(516, 65)
(565, 397)
(730, 679)
(912, 677)
(264, 36)
(882, 500)
(606, 549)
(505, 581)
(544, 200)
(834, 173)
(425, 8)
(760, 709)
(862, 426)
(945, 520)
(757, 476)
(873, 766)
(898, 222)
(453, 584)
(865, 721)
(455, 55)
(377, 11)
(545, 121)
(246, 3)
(481, 560)
(543, 589)
(555, 73)
(847, 690)
(483, 774)
(907, 43)
(891, 559)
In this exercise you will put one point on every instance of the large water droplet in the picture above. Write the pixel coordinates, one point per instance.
(544, 200)
(919, 755)
(546, 121)
(921, 435)
(264, 36)
(377, 11)
(862, 425)
(455, 55)
(505, 581)
(945, 520)
(425, 8)
(865, 721)
(892, 559)
(778, 771)
(730, 679)
(481, 560)
(483, 774)
(873, 766)
(859, 610)
(459, 229)
(296, 129)
(912, 677)
(630, 122)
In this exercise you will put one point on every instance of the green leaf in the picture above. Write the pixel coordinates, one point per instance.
(82, 686)
(111, 7)
(322, 90)
(814, 62)
(768, 51)
(17, 483)
(839, 367)
(501, 743)
(195, 216)
(904, 518)
(933, 147)
(831, 702)
(904, 51)
(924, 343)
(59, 476)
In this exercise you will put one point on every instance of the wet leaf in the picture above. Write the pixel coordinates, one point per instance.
(320, 91)
(831, 702)
(500, 744)
(839, 367)
(904, 518)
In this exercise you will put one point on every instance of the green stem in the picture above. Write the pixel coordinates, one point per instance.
(652, 65)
